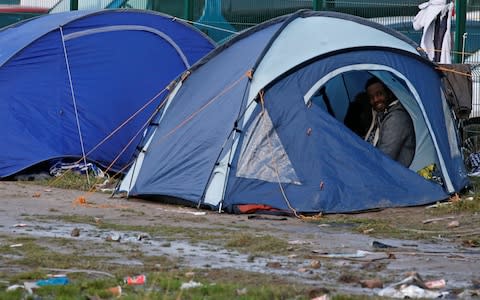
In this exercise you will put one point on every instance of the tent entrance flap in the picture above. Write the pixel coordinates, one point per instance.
(346, 86)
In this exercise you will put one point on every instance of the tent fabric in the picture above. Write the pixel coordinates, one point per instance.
(458, 88)
(91, 77)
(249, 125)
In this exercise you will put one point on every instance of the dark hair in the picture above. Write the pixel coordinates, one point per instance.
(373, 80)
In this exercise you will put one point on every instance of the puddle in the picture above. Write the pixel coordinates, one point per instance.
(189, 255)
(457, 266)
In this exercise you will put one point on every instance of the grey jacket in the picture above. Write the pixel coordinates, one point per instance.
(397, 134)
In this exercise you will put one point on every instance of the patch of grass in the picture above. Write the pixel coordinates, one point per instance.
(71, 180)
(374, 227)
(167, 285)
(456, 207)
(254, 244)
(193, 234)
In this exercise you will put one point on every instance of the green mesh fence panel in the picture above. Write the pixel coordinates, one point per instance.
(472, 33)
(220, 19)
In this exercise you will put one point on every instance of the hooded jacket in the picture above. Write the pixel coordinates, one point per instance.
(395, 135)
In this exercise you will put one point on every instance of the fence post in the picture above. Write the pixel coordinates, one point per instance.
(318, 4)
(461, 16)
(188, 11)
(73, 4)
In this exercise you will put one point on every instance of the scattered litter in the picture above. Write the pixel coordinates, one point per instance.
(322, 297)
(30, 286)
(15, 287)
(436, 219)
(439, 204)
(190, 284)
(324, 225)
(60, 168)
(16, 245)
(56, 275)
(470, 243)
(47, 190)
(20, 225)
(241, 292)
(410, 291)
(315, 264)
(379, 245)
(75, 232)
(135, 280)
(274, 265)
(181, 211)
(81, 200)
(371, 283)
(114, 237)
(36, 195)
(299, 242)
(357, 254)
(410, 287)
(454, 198)
(116, 291)
(453, 224)
(53, 281)
(436, 284)
(143, 236)
(369, 230)
(303, 270)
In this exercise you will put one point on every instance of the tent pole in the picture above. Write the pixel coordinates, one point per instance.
(74, 103)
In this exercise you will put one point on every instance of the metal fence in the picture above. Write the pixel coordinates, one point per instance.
(221, 19)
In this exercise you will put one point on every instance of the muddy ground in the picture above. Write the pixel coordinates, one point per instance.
(334, 252)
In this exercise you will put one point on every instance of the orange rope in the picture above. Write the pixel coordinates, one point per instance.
(127, 121)
(453, 71)
(202, 108)
(81, 200)
(50, 184)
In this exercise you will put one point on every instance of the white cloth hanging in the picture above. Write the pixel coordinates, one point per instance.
(425, 19)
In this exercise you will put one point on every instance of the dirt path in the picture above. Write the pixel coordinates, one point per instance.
(326, 253)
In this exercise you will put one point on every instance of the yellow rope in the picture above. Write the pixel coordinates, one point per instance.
(453, 71)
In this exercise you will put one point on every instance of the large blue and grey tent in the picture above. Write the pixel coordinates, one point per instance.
(85, 82)
(260, 121)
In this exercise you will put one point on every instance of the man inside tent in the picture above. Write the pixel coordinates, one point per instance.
(392, 128)
(359, 115)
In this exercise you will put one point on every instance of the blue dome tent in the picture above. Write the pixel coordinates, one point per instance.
(85, 83)
(247, 126)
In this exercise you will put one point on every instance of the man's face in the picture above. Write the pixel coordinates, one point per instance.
(378, 96)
